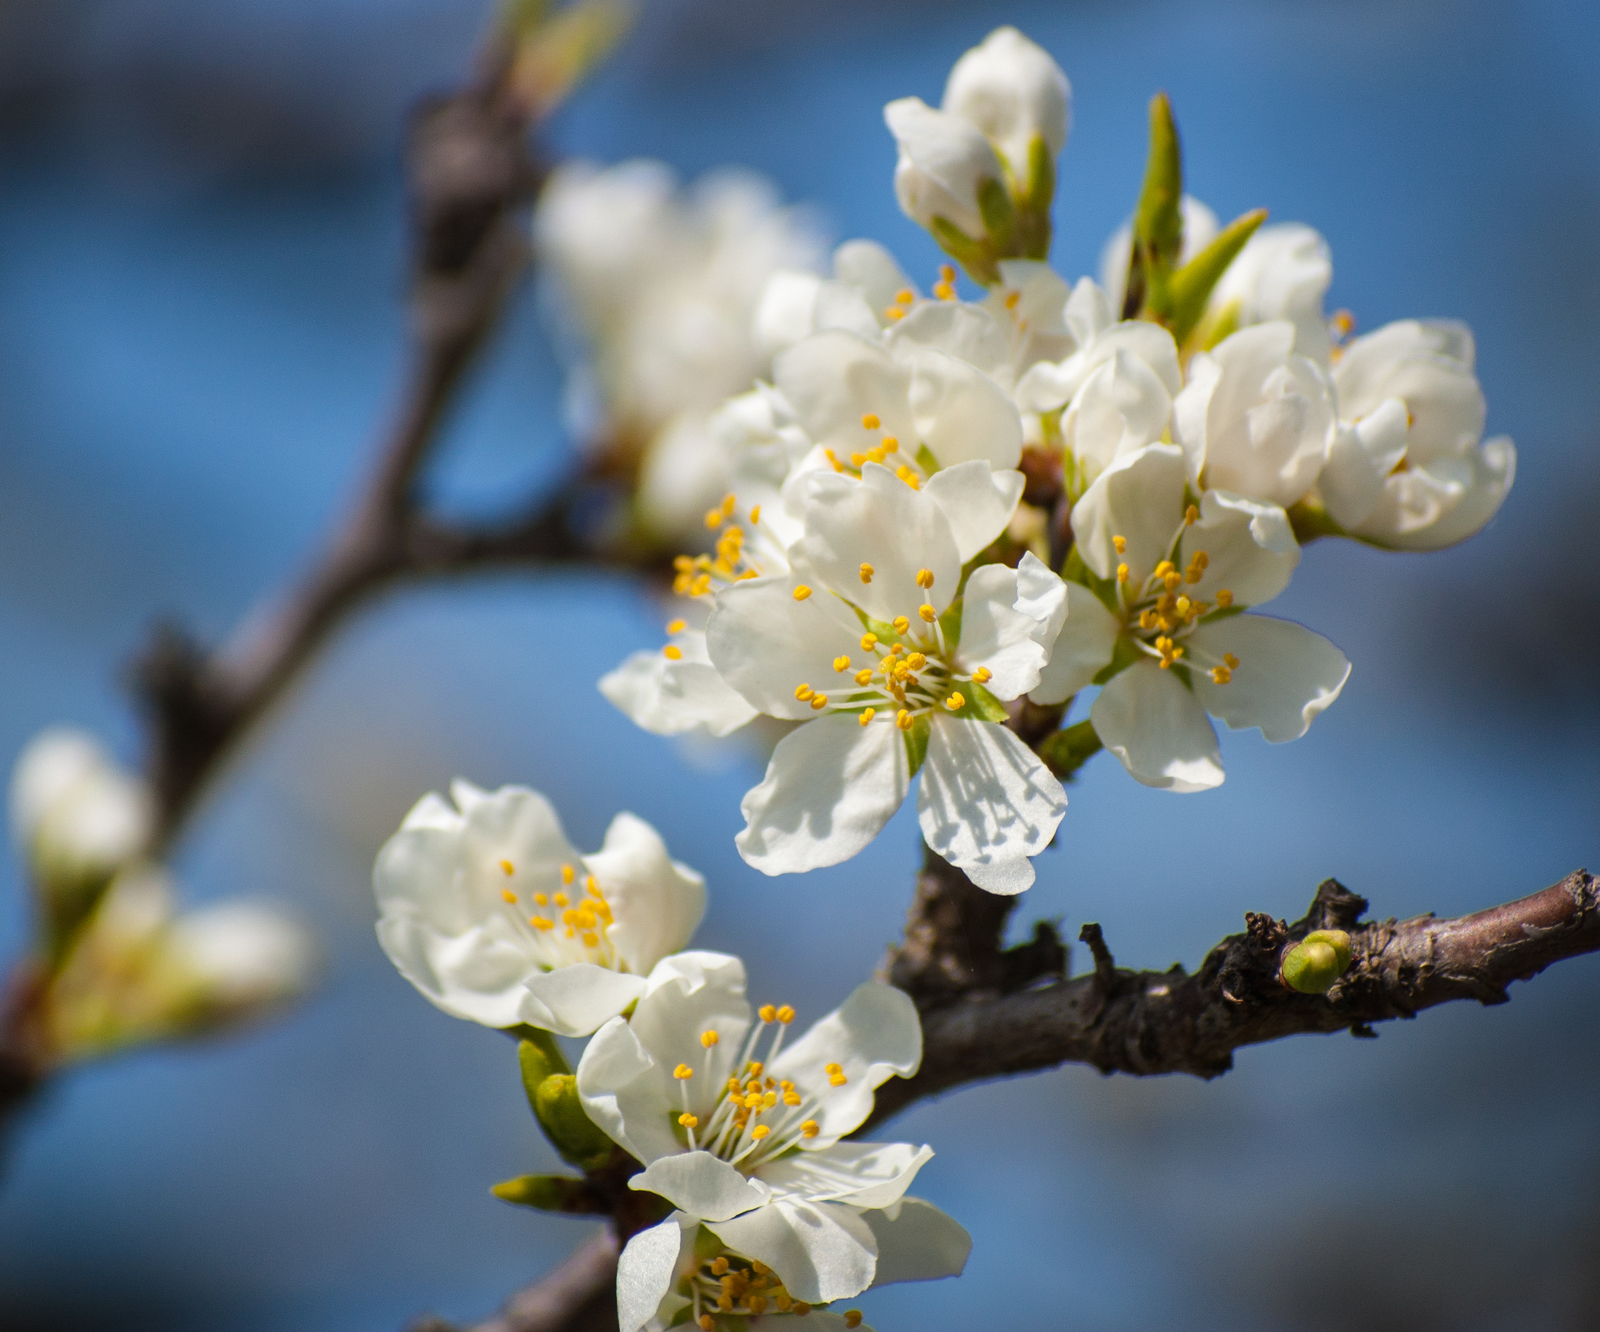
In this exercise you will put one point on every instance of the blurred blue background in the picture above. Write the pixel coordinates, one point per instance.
(200, 333)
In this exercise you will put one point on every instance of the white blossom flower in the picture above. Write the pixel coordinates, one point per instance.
(944, 162)
(860, 642)
(488, 910)
(741, 1133)
(244, 957)
(1168, 641)
(663, 285)
(1408, 467)
(1256, 417)
(79, 814)
(1283, 272)
(867, 292)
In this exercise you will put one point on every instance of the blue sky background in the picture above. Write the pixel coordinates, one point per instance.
(200, 332)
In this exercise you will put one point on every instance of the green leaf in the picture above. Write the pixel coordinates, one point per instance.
(1067, 751)
(1192, 284)
(1158, 219)
(917, 744)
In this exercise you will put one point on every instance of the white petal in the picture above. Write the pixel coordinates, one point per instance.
(1138, 497)
(766, 644)
(833, 378)
(960, 413)
(673, 697)
(1041, 596)
(1014, 92)
(703, 1185)
(647, 1270)
(880, 521)
(1121, 407)
(873, 271)
(918, 1243)
(943, 159)
(863, 1174)
(616, 1090)
(1158, 729)
(998, 637)
(1285, 677)
(1494, 466)
(987, 803)
(1250, 548)
(1428, 366)
(1360, 458)
(957, 328)
(1046, 387)
(873, 1036)
(821, 1251)
(977, 502)
(656, 902)
(787, 310)
(577, 1000)
(1283, 272)
(1081, 650)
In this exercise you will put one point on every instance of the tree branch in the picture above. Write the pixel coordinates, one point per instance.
(1149, 1022)
(579, 1296)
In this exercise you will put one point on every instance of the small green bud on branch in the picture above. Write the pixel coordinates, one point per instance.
(1316, 962)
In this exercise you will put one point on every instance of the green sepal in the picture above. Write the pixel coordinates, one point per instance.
(571, 1132)
(1193, 284)
(1068, 750)
(980, 704)
(1313, 965)
(974, 256)
(1034, 200)
(1224, 613)
(926, 460)
(1311, 522)
(1074, 570)
(1123, 655)
(548, 1193)
(999, 217)
(950, 621)
(917, 744)
(1157, 221)
(538, 1056)
(1222, 324)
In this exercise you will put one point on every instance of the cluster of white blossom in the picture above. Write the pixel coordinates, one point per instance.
(764, 1210)
(121, 966)
(930, 518)
(878, 576)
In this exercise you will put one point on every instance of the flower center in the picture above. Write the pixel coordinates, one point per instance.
(569, 924)
(1161, 615)
(909, 675)
(755, 1118)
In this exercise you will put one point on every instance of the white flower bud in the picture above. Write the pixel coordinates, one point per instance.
(244, 957)
(1012, 90)
(1283, 272)
(944, 159)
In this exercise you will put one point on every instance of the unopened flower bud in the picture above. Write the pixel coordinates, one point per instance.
(1313, 965)
(1012, 90)
(81, 819)
(242, 959)
(571, 1132)
(549, 1193)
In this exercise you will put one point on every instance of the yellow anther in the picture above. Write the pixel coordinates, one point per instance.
(875, 455)
(725, 1303)
(916, 661)
(728, 501)
(1164, 568)
(1147, 620)
(718, 1266)
(760, 1131)
(672, 652)
(889, 444)
(756, 1070)
(982, 675)
(955, 702)
(767, 1013)
(1173, 581)
(676, 627)
(870, 422)
(1120, 544)
(568, 874)
(1343, 322)
(1233, 661)
(852, 1318)
(785, 1014)
(709, 1038)
(837, 1079)
(1191, 516)
(1224, 598)
(561, 900)
(591, 939)
(899, 647)
(901, 624)
(868, 642)
(791, 1098)
(541, 900)
(755, 515)
(893, 313)
(928, 614)
(802, 592)
(832, 1068)
(1183, 605)
(819, 701)
(947, 273)
(810, 1129)
(1220, 675)
(908, 476)
(905, 295)
(753, 1101)
(803, 692)
(757, 1304)
(506, 895)
(864, 675)
(856, 459)
(944, 291)
(540, 923)
(707, 1323)
(924, 578)
(683, 1072)
(682, 563)
(868, 715)
(714, 518)
(902, 719)
(1122, 573)
(841, 664)
(1012, 297)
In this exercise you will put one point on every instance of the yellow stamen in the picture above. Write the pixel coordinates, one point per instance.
(908, 476)
(905, 295)
(803, 692)
(1191, 516)
(561, 899)
(856, 459)
(541, 900)
(810, 1129)
(841, 664)
(1224, 598)
(982, 675)
(672, 652)
(1220, 675)
(924, 578)
(540, 923)
(785, 1015)
(869, 422)
(759, 1132)
(676, 627)
(928, 614)
(889, 444)
(868, 715)
(755, 515)
(819, 701)
(864, 676)
(709, 1038)
(718, 1266)
(894, 312)
(802, 592)
(1122, 573)
(1120, 545)
(866, 573)
(868, 642)
(955, 702)
(683, 1072)
(508, 896)
(901, 624)
(852, 1318)
(1233, 661)
(568, 874)
(707, 1323)
(1012, 297)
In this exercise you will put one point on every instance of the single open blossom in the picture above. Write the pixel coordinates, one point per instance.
(1176, 577)
(741, 1132)
(488, 910)
(1256, 417)
(1409, 467)
(1283, 272)
(859, 641)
